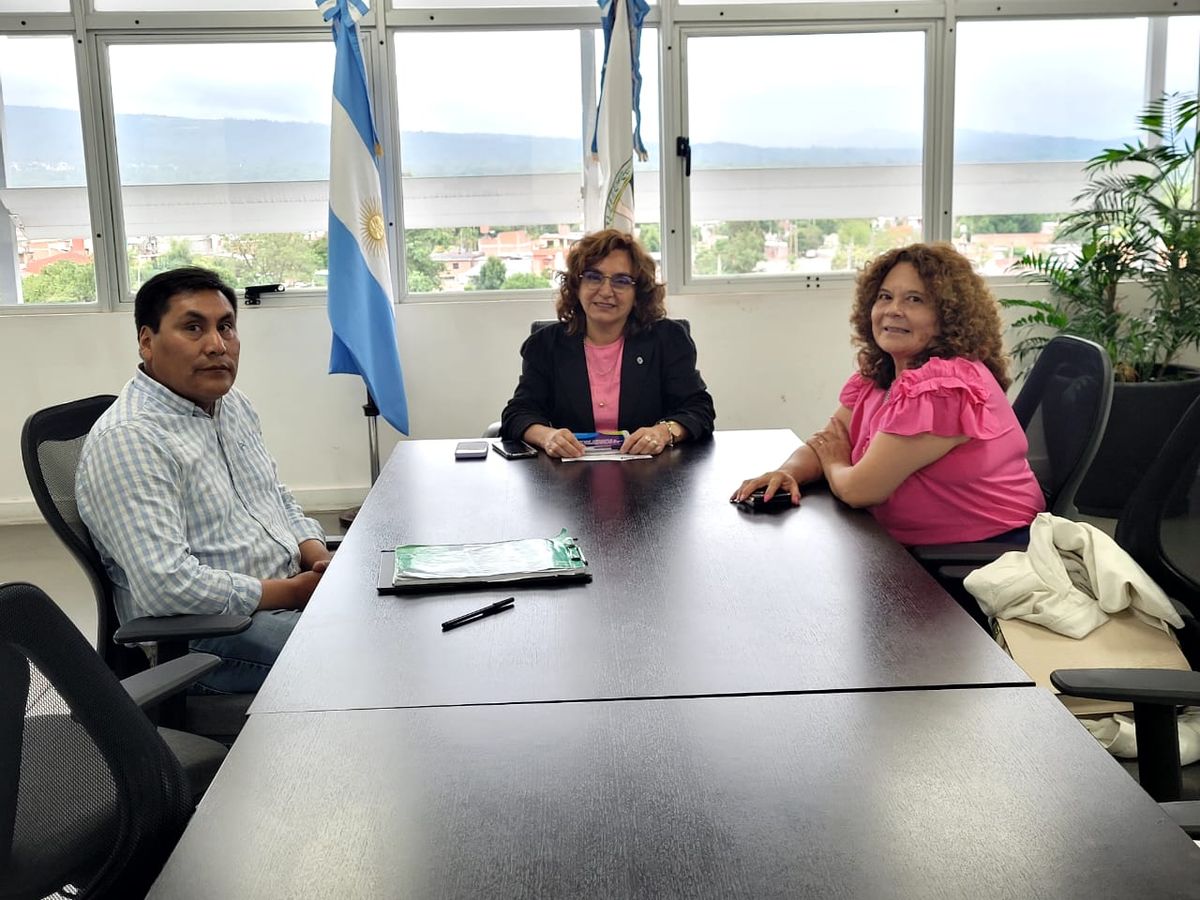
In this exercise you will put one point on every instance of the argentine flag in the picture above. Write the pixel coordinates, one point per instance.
(614, 142)
(360, 281)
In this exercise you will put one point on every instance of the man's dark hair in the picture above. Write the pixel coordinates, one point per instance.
(153, 296)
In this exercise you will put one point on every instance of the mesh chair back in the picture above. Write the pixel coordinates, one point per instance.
(1063, 407)
(91, 799)
(51, 442)
(1160, 524)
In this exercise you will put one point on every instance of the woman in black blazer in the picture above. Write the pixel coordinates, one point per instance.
(612, 347)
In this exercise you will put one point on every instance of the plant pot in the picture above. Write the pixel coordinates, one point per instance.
(1143, 415)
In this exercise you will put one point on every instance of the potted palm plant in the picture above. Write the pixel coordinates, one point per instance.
(1138, 229)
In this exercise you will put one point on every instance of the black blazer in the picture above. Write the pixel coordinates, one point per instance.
(659, 380)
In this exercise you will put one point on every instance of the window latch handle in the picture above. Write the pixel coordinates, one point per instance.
(683, 147)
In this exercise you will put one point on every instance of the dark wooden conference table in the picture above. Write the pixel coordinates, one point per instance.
(779, 705)
(973, 793)
(690, 595)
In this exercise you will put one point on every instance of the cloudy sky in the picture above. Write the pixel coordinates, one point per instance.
(1076, 79)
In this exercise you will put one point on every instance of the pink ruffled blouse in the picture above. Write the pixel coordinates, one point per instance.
(979, 489)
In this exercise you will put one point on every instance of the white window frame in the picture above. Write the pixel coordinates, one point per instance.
(93, 32)
(679, 269)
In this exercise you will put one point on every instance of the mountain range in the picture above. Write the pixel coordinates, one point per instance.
(41, 147)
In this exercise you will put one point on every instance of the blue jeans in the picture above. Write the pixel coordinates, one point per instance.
(246, 658)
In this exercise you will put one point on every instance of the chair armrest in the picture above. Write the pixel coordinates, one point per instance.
(152, 629)
(331, 544)
(153, 686)
(979, 553)
(1186, 814)
(1157, 687)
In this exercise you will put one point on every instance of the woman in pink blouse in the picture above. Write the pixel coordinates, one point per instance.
(924, 436)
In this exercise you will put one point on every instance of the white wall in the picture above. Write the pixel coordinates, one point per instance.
(770, 360)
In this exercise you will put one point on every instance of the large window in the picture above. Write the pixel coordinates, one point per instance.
(802, 159)
(30, 6)
(819, 132)
(1034, 100)
(199, 5)
(223, 170)
(1183, 53)
(45, 234)
(492, 158)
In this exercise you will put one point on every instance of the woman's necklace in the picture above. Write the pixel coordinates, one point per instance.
(604, 377)
(597, 373)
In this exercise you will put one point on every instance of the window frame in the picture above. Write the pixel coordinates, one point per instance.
(679, 269)
(93, 32)
(480, 20)
(115, 202)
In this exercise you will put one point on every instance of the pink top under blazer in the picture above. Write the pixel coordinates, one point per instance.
(604, 378)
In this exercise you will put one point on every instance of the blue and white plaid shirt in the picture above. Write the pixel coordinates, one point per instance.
(186, 509)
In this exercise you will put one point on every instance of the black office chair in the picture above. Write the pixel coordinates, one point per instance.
(51, 442)
(537, 325)
(1063, 408)
(1160, 528)
(92, 800)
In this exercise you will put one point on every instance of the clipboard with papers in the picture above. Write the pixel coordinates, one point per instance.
(430, 567)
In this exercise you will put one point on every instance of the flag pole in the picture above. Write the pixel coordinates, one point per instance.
(371, 411)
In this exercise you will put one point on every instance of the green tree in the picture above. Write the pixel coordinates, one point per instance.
(1028, 223)
(704, 260)
(734, 255)
(61, 282)
(807, 236)
(650, 237)
(222, 265)
(285, 257)
(854, 231)
(525, 281)
(420, 283)
(491, 277)
(179, 254)
(320, 249)
(424, 272)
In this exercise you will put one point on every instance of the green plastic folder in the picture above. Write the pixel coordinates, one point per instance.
(420, 566)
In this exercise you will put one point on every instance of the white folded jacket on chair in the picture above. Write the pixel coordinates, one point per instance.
(1068, 580)
(1118, 735)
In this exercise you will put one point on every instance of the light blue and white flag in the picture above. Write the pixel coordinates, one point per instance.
(360, 281)
(614, 142)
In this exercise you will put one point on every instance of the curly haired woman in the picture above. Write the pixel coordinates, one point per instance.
(612, 361)
(924, 435)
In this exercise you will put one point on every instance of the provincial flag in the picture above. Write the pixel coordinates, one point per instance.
(360, 281)
(615, 141)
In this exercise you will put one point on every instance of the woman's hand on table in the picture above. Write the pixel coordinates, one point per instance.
(653, 439)
(771, 483)
(560, 442)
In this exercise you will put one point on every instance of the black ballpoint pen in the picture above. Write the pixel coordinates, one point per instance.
(498, 606)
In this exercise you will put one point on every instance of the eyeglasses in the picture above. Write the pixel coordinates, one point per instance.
(619, 282)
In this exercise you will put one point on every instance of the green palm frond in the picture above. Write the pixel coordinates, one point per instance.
(1137, 223)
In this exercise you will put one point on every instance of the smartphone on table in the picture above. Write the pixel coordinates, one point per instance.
(471, 450)
(514, 449)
